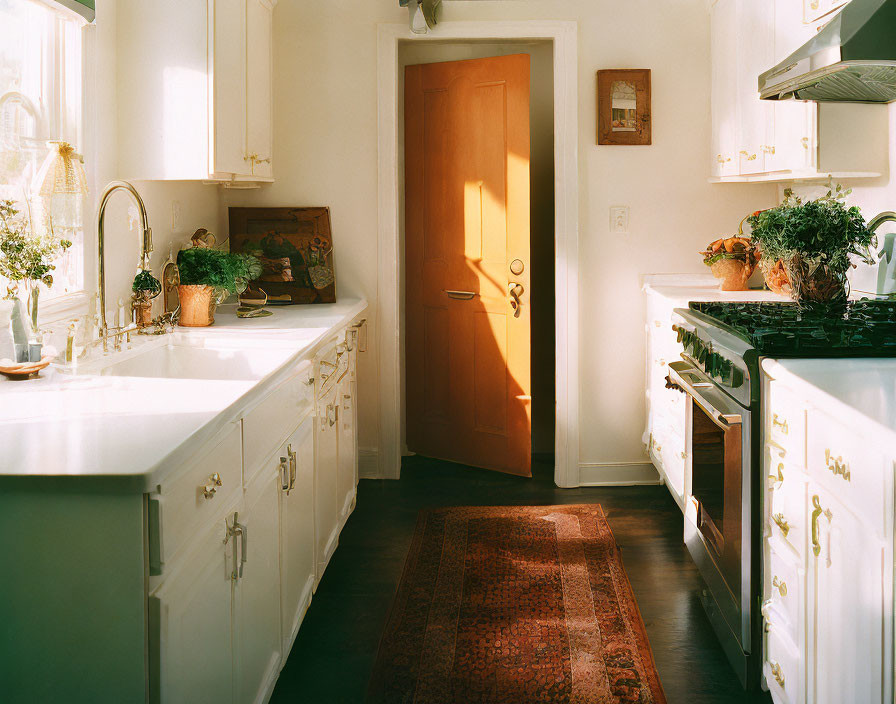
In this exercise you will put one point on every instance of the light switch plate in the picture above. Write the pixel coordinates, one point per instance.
(619, 219)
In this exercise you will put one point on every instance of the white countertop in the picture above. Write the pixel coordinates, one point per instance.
(132, 429)
(683, 288)
(860, 391)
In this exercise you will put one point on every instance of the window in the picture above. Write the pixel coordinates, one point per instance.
(40, 100)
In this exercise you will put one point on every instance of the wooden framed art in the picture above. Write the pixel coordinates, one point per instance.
(623, 106)
(295, 248)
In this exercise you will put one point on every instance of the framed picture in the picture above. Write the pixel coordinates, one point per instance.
(295, 247)
(623, 106)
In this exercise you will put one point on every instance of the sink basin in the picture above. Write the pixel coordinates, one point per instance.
(189, 362)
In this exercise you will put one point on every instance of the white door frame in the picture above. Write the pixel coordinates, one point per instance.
(566, 229)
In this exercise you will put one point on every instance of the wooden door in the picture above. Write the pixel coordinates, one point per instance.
(467, 222)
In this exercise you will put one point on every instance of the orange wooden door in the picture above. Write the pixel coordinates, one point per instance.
(466, 232)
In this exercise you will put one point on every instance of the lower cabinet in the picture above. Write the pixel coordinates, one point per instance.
(347, 475)
(191, 654)
(326, 479)
(297, 567)
(257, 588)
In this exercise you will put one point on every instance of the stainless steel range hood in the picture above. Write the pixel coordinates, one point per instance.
(851, 60)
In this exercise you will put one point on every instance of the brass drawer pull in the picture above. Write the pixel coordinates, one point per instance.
(838, 467)
(778, 423)
(779, 520)
(780, 585)
(209, 490)
(816, 513)
(777, 673)
(779, 477)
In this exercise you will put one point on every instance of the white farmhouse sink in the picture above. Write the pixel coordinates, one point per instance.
(192, 362)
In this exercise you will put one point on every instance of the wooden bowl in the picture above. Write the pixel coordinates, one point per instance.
(25, 370)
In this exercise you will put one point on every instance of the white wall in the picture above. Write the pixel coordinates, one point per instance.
(325, 146)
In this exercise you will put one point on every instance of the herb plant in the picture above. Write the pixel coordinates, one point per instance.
(223, 271)
(145, 281)
(25, 256)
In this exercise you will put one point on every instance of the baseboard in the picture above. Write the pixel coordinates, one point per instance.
(369, 463)
(619, 474)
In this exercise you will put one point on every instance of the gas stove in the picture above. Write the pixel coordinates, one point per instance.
(719, 372)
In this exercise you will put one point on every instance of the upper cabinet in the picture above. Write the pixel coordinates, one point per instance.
(195, 90)
(758, 140)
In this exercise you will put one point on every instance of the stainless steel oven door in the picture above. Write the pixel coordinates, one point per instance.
(717, 511)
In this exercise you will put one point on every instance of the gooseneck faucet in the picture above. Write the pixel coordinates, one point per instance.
(100, 243)
(878, 220)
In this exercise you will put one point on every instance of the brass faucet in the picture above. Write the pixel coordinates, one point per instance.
(100, 243)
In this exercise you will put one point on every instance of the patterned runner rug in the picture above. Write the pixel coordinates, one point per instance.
(514, 605)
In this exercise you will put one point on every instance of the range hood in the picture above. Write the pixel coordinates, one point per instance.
(851, 60)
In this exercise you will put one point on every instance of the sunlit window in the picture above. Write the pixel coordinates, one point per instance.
(40, 100)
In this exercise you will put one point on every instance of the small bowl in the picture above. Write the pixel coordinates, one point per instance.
(24, 370)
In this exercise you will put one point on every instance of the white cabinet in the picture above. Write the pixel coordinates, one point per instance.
(326, 472)
(257, 590)
(756, 140)
(195, 90)
(827, 556)
(816, 10)
(347, 474)
(297, 544)
(190, 636)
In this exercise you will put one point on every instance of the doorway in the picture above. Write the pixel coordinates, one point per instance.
(538, 300)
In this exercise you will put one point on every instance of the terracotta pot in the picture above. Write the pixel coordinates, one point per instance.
(197, 306)
(733, 274)
(143, 308)
(776, 277)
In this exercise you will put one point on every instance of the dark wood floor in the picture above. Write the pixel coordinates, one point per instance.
(334, 652)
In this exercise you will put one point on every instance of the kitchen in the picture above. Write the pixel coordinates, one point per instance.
(156, 419)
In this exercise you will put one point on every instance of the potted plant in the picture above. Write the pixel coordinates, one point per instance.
(26, 258)
(811, 243)
(732, 260)
(206, 277)
(145, 288)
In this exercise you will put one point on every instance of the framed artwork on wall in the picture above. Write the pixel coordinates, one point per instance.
(623, 106)
(295, 247)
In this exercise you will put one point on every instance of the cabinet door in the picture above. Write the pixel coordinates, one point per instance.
(259, 71)
(348, 449)
(228, 38)
(257, 592)
(297, 531)
(325, 480)
(724, 88)
(191, 639)
(846, 604)
(754, 53)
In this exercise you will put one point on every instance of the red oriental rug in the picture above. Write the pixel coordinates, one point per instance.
(512, 605)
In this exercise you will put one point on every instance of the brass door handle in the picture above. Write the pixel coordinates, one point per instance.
(516, 290)
(461, 295)
(816, 514)
(209, 490)
(780, 521)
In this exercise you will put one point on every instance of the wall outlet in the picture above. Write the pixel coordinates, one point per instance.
(619, 219)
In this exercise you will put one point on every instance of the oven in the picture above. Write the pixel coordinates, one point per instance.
(718, 508)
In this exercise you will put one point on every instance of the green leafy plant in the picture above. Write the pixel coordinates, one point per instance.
(145, 281)
(222, 271)
(824, 229)
(25, 256)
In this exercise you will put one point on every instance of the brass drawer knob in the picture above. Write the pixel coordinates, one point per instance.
(209, 490)
(780, 424)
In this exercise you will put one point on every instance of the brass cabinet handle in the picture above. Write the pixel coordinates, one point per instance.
(750, 157)
(721, 159)
(777, 673)
(284, 475)
(778, 423)
(805, 142)
(292, 468)
(816, 514)
(767, 149)
(780, 585)
(838, 467)
(778, 518)
(779, 477)
(241, 548)
(209, 490)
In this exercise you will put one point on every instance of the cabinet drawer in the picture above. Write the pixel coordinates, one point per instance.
(194, 496)
(786, 425)
(267, 425)
(783, 668)
(849, 466)
(787, 506)
(784, 589)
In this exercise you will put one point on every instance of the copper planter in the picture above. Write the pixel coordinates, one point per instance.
(197, 306)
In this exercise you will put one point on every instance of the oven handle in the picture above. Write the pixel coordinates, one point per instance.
(723, 420)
